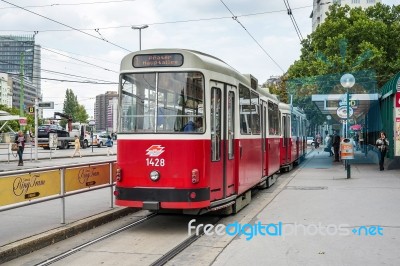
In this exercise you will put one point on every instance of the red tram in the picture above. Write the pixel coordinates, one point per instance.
(195, 135)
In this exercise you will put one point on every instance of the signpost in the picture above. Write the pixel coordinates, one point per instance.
(39, 105)
(91, 124)
(53, 141)
(46, 105)
(22, 121)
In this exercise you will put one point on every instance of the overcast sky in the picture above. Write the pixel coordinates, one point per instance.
(203, 25)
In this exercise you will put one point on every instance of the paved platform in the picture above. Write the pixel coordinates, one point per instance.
(315, 216)
(326, 219)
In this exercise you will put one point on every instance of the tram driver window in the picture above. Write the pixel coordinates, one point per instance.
(161, 102)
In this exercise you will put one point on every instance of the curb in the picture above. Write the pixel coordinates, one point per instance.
(22, 247)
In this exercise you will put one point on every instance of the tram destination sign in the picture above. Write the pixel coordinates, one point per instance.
(158, 60)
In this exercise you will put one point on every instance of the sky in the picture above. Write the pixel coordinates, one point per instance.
(85, 40)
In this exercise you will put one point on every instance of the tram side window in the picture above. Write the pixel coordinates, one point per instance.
(245, 110)
(273, 119)
(295, 128)
(255, 116)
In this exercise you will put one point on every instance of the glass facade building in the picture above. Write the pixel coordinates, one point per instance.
(20, 61)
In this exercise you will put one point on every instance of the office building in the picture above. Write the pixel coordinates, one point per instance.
(320, 7)
(20, 53)
(104, 114)
(5, 91)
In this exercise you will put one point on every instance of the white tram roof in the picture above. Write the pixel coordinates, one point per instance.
(285, 108)
(298, 111)
(191, 60)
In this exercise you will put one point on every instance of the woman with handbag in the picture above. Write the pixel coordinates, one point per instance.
(20, 140)
(382, 143)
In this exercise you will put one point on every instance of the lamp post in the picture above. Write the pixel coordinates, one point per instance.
(347, 81)
(21, 96)
(329, 117)
(140, 28)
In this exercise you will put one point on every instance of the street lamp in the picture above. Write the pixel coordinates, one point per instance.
(140, 28)
(347, 81)
(328, 117)
(21, 96)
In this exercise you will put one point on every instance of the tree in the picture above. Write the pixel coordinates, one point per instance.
(73, 108)
(278, 88)
(351, 40)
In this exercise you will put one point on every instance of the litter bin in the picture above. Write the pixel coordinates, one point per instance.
(346, 149)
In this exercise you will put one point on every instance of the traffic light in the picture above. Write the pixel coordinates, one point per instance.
(31, 109)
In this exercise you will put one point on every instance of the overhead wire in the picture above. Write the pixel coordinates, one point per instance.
(262, 48)
(76, 4)
(290, 13)
(65, 25)
(172, 22)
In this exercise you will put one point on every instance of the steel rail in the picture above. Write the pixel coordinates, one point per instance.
(78, 248)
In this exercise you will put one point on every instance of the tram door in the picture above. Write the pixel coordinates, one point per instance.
(286, 138)
(222, 113)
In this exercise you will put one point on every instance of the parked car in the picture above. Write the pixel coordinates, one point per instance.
(101, 139)
(310, 141)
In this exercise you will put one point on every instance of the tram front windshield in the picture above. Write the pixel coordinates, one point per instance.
(169, 102)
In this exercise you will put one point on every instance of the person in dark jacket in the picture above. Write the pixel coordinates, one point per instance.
(336, 146)
(383, 144)
(20, 140)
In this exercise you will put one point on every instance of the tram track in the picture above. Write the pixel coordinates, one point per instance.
(169, 230)
(98, 239)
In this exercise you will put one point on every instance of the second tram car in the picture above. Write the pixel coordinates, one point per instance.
(195, 135)
(293, 146)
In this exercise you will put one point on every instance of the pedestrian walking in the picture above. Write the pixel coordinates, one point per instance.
(109, 144)
(318, 140)
(383, 144)
(336, 146)
(20, 140)
(77, 144)
(328, 148)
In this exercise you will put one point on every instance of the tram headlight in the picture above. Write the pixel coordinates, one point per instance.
(154, 175)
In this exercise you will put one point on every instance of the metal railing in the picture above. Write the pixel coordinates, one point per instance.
(5, 149)
(63, 194)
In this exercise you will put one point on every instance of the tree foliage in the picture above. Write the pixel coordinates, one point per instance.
(73, 109)
(364, 42)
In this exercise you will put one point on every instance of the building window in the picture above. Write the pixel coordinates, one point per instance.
(355, 1)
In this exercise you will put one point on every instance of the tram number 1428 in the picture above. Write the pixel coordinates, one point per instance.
(155, 162)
